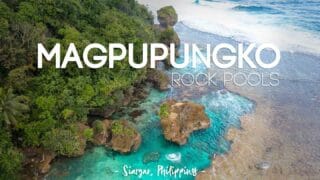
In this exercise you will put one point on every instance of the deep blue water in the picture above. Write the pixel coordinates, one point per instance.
(301, 13)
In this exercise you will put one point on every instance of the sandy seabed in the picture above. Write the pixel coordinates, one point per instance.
(259, 141)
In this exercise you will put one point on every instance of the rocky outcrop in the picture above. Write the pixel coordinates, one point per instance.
(119, 135)
(180, 119)
(101, 132)
(151, 157)
(124, 138)
(37, 161)
(168, 36)
(158, 78)
(167, 16)
(82, 140)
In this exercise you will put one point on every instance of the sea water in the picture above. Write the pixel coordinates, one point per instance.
(292, 25)
(222, 107)
(257, 21)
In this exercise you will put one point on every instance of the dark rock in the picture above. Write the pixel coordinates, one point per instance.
(136, 113)
(105, 112)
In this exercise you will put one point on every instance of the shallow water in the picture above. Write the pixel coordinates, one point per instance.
(296, 99)
(222, 107)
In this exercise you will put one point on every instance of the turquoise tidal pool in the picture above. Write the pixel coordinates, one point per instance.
(223, 109)
(155, 154)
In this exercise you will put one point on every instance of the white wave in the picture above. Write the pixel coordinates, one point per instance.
(174, 157)
(218, 18)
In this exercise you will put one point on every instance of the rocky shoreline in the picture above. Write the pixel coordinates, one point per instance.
(119, 135)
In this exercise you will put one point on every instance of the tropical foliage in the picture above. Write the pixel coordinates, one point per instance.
(38, 106)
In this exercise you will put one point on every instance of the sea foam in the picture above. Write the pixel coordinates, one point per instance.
(222, 19)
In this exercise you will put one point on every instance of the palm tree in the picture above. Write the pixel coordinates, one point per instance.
(11, 106)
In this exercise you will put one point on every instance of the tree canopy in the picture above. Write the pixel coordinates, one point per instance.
(44, 103)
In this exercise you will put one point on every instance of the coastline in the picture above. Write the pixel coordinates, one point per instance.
(284, 127)
(199, 122)
(250, 144)
(257, 142)
(268, 135)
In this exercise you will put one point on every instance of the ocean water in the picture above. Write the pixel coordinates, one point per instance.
(223, 110)
(292, 25)
(222, 107)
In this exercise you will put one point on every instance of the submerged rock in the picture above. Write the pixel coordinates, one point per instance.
(136, 113)
(180, 119)
(151, 157)
(167, 16)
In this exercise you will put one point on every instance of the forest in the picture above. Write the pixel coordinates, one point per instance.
(40, 107)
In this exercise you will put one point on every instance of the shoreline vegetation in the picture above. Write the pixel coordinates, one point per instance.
(45, 113)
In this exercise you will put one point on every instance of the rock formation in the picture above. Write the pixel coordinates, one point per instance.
(119, 135)
(180, 119)
(101, 132)
(37, 161)
(167, 16)
(158, 78)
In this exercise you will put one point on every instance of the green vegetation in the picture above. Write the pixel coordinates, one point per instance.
(168, 36)
(118, 128)
(63, 141)
(164, 110)
(88, 134)
(10, 157)
(40, 106)
(167, 16)
(12, 106)
(97, 127)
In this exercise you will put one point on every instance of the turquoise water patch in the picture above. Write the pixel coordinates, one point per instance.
(155, 154)
(223, 109)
